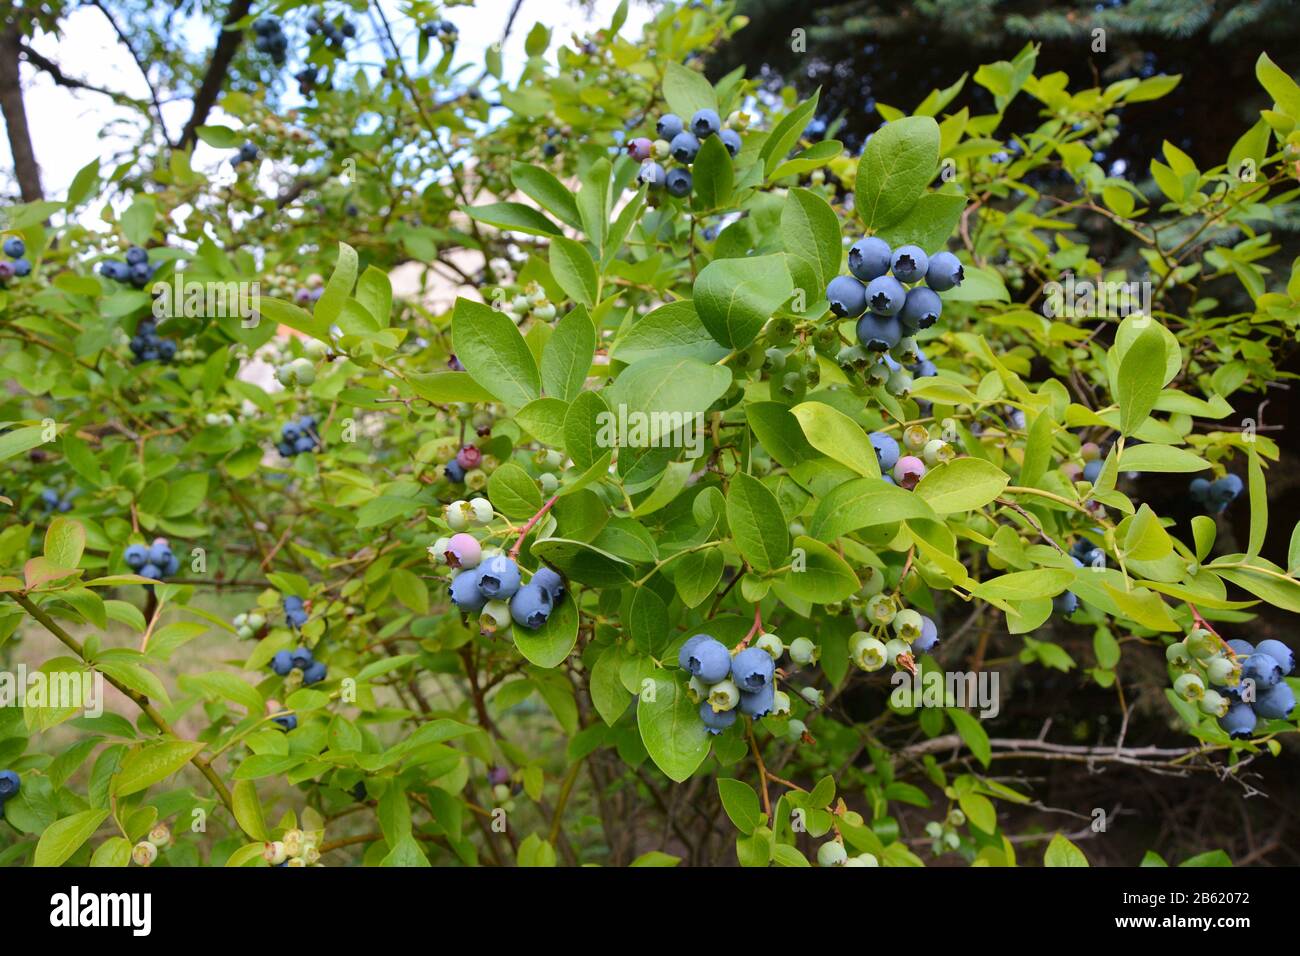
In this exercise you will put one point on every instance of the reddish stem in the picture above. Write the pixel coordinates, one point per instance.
(756, 629)
(523, 532)
(1199, 621)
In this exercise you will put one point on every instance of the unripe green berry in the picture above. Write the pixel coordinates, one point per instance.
(1223, 671)
(795, 729)
(1178, 656)
(772, 644)
(494, 617)
(915, 437)
(697, 690)
(907, 625)
(895, 648)
(780, 703)
(1213, 703)
(476, 479)
(1189, 686)
(873, 582)
(814, 696)
(867, 652)
(549, 483)
(804, 651)
(881, 609)
(832, 854)
(936, 452)
(1201, 644)
(724, 695)
(862, 859)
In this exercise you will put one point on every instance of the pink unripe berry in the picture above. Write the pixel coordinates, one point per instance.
(909, 471)
(463, 551)
(640, 149)
(469, 457)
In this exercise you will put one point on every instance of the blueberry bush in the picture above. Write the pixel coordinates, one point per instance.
(675, 503)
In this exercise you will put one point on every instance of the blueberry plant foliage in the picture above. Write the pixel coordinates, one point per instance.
(591, 558)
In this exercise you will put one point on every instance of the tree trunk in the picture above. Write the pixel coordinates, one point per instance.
(227, 44)
(26, 171)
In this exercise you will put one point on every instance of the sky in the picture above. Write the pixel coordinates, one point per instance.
(66, 124)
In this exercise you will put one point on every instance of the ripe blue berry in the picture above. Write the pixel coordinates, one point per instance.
(454, 472)
(1239, 721)
(465, 593)
(757, 703)
(879, 333)
(1276, 703)
(1067, 602)
(282, 662)
(669, 125)
(22, 268)
(731, 139)
(944, 272)
(1279, 652)
(549, 580)
(136, 556)
(136, 256)
(287, 721)
(705, 123)
(706, 658)
(683, 147)
(869, 258)
(498, 577)
(151, 571)
(929, 636)
(910, 263)
(1264, 670)
(531, 605)
(921, 309)
(886, 295)
(1242, 648)
(678, 183)
(301, 658)
(15, 247)
(1225, 489)
(10, 784)
(715, 722)
(752, 669)
(847, 297)
(1199, 488)
(652, 175)
(315, 673)
(1092, 470)
(887, 451)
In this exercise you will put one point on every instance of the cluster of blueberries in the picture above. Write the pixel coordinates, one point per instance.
(484, 583)
(444, 31)
(148, 346)
(135, 269)
(155, 561)
(1265, 663)
(16, 250)
(298, 437)
(245, 154)
(924, 452)
(313, 671)
(294, 611)
(332, 34)
(727, 684)
(1215, 496)
(271, 39)
(51, 500)
(681, 143)
(10, 784)
(893, 311)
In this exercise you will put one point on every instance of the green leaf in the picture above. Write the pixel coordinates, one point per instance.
(865, 503)
(647, 622)
(515, 217)
(786, 133)
(1258, 505)
(64, 542)
(248, 810)
(687, 91)
(513, 492)
(973, 735)
(20, 440)
(670, 331)
(543, 418)
(819, 575)
(837, 436)
(1061, 852)
(566, 357)
(741, 804)
(490, 347)
(1280, 86)
(961, 485)
(757, 523)
(584, 563)
(1149, 456)
(929, 224)
(735, 297)
(339, 287)
(1140, 378)
(574, 270)
(899, 161)
(151, 763)
(548, 192)
(62, 838)
(670, 727)
(713, 176)
(810, 231)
